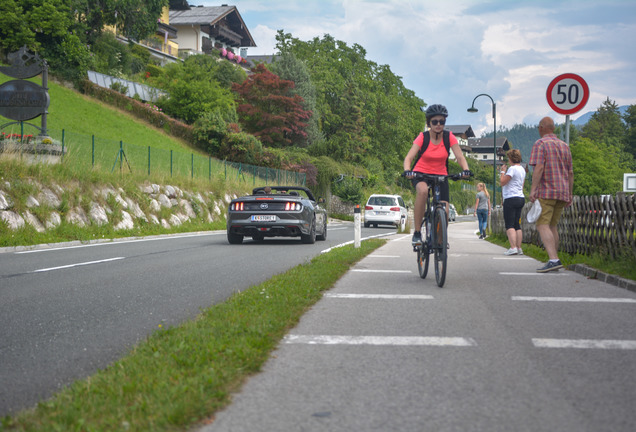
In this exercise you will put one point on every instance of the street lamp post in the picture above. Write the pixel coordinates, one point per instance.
(472, 109)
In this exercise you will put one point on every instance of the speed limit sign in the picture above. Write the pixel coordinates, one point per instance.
(568, 93)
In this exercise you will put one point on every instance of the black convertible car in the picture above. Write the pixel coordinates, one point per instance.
(277, 211)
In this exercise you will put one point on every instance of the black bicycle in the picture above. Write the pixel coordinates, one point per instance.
(434, 229)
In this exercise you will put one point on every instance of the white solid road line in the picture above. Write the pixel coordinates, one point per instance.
(575, 299)
(554, 272)
(380, 271)
(381, 296)
(379, 340)
(77, 265)
(585, 343)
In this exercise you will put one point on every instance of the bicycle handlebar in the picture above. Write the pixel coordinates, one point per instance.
(433, 177)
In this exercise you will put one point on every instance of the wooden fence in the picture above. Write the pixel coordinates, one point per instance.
(591, 224)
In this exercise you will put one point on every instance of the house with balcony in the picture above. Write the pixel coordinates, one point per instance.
(462, 133)
(206, 29)
(483, 149)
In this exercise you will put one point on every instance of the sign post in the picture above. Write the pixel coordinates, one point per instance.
(568, 93)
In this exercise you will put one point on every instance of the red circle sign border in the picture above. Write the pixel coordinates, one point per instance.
(586, 93)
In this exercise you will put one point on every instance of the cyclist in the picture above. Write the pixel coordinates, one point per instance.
(433, 160)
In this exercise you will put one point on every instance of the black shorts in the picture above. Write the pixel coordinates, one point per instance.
(444, 191)
(512, 212)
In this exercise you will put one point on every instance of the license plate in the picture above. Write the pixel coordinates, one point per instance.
(381, 213)
(263, 218)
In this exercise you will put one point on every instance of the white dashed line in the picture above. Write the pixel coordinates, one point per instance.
(585, 343)
(575, 299)
(382, 296)
(77, 265)
(379, 340)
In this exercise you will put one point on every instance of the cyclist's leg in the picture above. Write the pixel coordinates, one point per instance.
(421, 195)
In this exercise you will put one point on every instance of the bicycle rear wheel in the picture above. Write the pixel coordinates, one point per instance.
(439, 245)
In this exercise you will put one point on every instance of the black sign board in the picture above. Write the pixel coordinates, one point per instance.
(23, 64)
(22, 100)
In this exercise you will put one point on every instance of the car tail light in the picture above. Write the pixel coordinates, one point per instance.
(293, 206)
(395, 209)
(368, 208)
(238, 206)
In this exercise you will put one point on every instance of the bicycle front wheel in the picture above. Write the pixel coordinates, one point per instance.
(440, 237)
(422, 259)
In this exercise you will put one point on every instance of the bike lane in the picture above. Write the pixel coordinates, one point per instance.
(386, 350)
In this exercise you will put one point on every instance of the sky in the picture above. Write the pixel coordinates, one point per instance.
(450, 51)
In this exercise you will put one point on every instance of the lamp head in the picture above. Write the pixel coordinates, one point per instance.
(472, 109)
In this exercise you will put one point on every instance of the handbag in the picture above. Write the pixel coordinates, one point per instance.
(535, 212)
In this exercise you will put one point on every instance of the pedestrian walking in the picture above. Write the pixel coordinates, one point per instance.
(512, 178)
(482, 209)
(552, 184)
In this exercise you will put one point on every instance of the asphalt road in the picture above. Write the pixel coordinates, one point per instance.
(499, 348)
(69, 310)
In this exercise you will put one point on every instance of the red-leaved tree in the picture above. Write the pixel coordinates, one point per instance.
(269, 111)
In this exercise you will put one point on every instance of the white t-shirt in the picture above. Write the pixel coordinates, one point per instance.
(514, 188)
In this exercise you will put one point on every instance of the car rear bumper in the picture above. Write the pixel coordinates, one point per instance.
(280, 228)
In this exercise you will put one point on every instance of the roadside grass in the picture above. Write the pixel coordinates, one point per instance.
(622, 266)
(73, 111)
(180, 376)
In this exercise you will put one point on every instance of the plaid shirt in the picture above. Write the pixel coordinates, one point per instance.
(556, 156)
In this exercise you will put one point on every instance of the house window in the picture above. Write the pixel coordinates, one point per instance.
(485, 157)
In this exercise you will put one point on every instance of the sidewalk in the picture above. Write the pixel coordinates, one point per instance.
(386, 350)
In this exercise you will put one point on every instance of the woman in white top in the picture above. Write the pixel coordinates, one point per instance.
(512, 179)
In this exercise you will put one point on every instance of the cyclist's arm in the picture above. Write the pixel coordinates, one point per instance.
(412, 154)
(459, 156)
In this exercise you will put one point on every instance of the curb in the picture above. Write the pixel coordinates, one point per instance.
(611, 279)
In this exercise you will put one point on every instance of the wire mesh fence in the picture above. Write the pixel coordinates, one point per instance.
(92, 152)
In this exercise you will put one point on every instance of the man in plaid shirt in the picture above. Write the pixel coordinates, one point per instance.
(552, 183)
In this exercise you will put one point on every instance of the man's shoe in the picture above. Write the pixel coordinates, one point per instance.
(511, 251)
(550, 266)
(417, 239)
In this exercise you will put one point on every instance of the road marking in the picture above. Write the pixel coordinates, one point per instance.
(513, 257)
(379, 340)
(352, 241)
(382, 296)
(118, 242)
(531, 274)
(585, 343)
(575, 299)
(76, 265)
(380, 271)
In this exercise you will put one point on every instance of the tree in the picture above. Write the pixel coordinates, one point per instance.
(288, 67)
(268, 109)
(606, 123)
(597, 170)
(630, 136)
(192, 92)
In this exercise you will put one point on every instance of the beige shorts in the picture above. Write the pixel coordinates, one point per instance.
(550, 211)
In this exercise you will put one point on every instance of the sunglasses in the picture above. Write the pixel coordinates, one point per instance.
(436, 122)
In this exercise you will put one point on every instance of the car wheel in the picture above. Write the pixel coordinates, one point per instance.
(323, 236)
(311, 237)
(234, 238)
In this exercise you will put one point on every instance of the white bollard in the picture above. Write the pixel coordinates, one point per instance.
(356, 226)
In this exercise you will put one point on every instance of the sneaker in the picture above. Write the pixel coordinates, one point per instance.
(481, 237)
(550, 266)
(417, 239)
(511, 251)
(519, 251)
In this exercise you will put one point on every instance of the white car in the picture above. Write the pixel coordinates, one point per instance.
(385, 210)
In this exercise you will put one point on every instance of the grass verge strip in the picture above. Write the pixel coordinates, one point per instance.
(181, 376)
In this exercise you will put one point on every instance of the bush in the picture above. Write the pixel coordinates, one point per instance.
(349, 189)
(241, 147)
(209, 131)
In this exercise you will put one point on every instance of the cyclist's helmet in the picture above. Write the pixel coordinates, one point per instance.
(435, 110)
